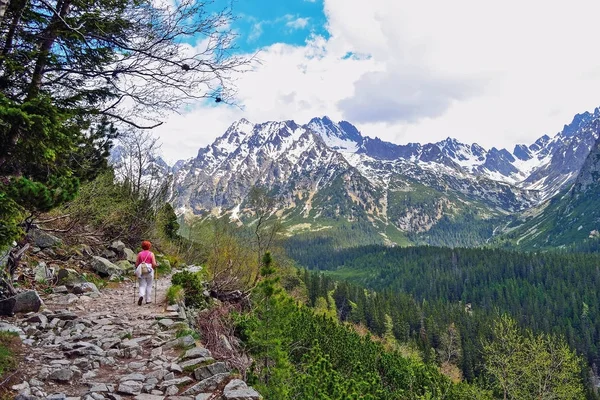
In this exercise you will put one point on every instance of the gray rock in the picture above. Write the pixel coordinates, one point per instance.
(117, 246)
(130, 387)
(237, 389)
(195, 362)
(35, 383)
(124, 265)
(43, 272)
(145, 396)
(202, 396)
(113, 396)
(130, 255)
(38, 318)
(60, 289)
(185, 341)
(20, 386)
(159, 374)
(97, 396)
(172, 390)
(166, 322)
(135, 365)
(99, 387)
(137, 377)
(176, 382)
(206, 385)
(69, 277)
(67, 299)
(169, 376)
(103, 267)
(43, 239)
(56, 396)
(174, 367)
(210, 370)
(63, 315)
(23, 302)
(108, 253)
(242, 394)
(197, 352)
(235, 384)
(23, 396)
(181, 397)
(61, 375)
(173, 308)
(85, 287)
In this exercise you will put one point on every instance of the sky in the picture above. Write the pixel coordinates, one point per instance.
(494, 73)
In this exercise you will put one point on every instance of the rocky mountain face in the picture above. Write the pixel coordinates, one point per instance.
(325, 173)
(570, 217)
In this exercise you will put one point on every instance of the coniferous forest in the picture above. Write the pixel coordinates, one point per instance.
(420, 294)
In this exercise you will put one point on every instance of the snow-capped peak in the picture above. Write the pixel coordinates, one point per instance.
(342, 136)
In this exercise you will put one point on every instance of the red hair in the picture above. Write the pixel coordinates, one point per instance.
(146, 245)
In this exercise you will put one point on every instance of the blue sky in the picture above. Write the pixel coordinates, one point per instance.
(261, 23)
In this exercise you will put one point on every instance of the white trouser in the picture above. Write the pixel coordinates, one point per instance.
(145, 283)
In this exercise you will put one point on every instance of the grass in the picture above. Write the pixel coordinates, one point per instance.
(175, 294)
(192, 368)
(10, 345)
(187, 331)
(95, 279)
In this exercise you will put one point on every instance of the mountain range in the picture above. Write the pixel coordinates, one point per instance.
(328, 177)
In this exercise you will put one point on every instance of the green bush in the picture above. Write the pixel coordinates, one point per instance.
(192, 287)
(9, 341)
(175, 294)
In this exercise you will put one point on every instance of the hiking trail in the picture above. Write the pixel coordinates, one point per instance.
(102, 345)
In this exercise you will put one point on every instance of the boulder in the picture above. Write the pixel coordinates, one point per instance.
(61, 375)
(209, 370)
(237, 389)
(43, 272)
(197, 352)
(207, 385)
(106, 253)
(43, 239)
(60, 289)
(85, 287)
(23, 302)
(117, 246)
(130, 255)
(124, 265)
(69, 277)
(130, 387)
(103, 267)
(181, 342)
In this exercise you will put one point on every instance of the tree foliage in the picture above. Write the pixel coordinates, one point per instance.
(72, 73)
(527, 366)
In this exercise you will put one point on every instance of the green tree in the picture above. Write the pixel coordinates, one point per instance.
(528, 366)
(72, 73)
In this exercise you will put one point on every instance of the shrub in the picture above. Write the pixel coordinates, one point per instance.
(192, 287)
(175, 294)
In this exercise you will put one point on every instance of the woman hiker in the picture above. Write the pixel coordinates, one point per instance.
(144, 270)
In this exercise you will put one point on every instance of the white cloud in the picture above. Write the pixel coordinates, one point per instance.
(256, 32)
(493, 73)
(298, 23)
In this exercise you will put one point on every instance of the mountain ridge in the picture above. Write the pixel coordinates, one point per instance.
(327, 173)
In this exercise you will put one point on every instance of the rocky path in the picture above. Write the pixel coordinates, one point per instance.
(103, 345)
